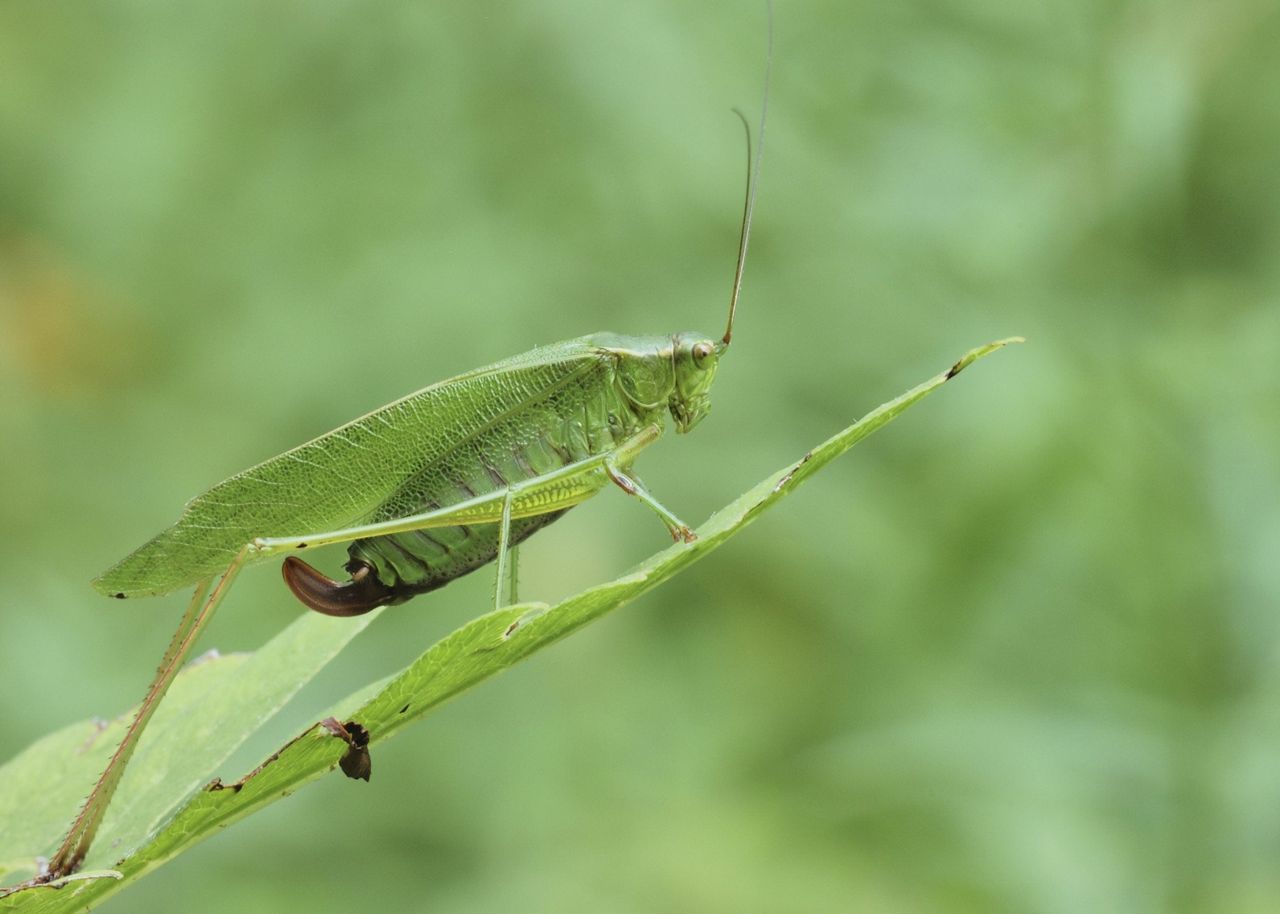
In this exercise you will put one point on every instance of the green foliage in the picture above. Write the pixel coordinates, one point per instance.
(213, 706)
(218, 702)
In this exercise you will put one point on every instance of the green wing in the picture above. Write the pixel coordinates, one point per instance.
(342, 477)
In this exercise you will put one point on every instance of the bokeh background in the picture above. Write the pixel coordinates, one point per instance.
(1018, 652)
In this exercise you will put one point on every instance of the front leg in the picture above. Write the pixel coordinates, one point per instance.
(632, 486)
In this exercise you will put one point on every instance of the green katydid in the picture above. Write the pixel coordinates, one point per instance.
(428, 488)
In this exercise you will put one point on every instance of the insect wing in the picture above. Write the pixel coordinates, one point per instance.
(343, 477)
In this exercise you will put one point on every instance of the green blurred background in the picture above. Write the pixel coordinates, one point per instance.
(1019, 652)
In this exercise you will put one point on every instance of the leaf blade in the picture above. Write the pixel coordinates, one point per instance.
(213, 706)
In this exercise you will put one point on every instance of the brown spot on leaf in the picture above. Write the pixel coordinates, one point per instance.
(792, 472)
(356, 764)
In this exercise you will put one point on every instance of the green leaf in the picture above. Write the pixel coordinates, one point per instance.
(215, 703)
(474, 652)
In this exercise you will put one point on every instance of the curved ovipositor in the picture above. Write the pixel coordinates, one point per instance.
(362, 594)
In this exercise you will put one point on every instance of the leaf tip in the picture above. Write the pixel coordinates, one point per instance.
(974, 354)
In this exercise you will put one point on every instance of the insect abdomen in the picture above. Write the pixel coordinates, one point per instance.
(585, 418)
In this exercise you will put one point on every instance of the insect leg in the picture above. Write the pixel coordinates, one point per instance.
(512, 594)
(677, 528)
(84, 829)
(504, 540)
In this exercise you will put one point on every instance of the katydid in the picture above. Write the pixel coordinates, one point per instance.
(428, 488)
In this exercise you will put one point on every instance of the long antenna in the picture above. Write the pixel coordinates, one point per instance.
(753, 181)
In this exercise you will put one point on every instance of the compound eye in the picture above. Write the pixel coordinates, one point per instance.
(702, 353)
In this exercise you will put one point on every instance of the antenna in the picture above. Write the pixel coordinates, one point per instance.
(753, 181)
